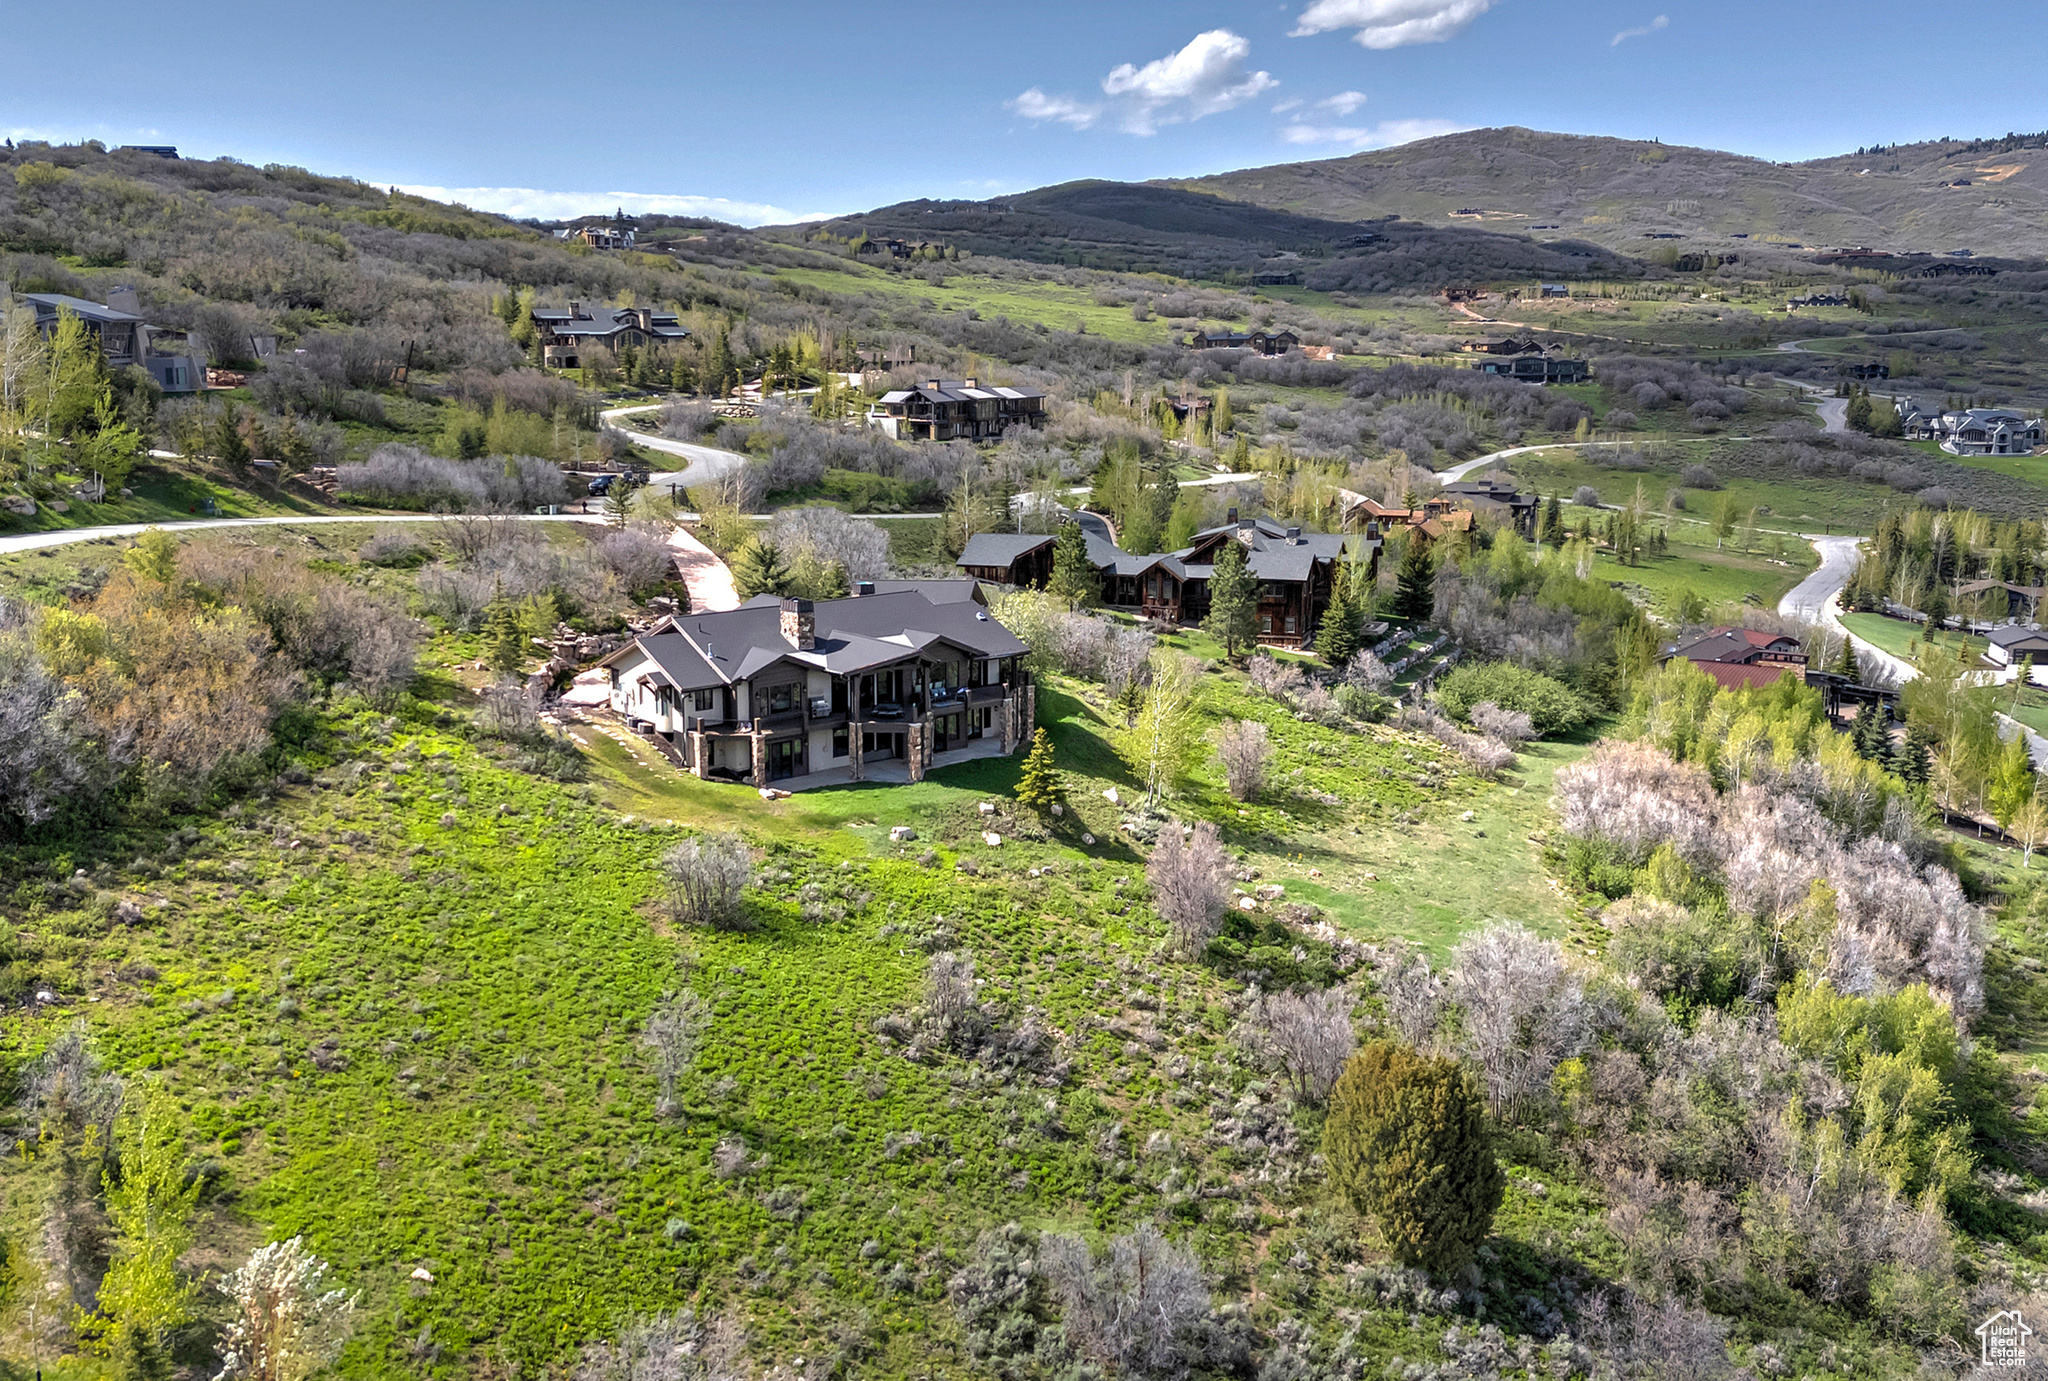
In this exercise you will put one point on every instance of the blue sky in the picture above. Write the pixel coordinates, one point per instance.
(759, 112)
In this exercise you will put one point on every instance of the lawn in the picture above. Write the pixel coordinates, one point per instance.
(1788, 503)
(1902, 637)
(1721, 576)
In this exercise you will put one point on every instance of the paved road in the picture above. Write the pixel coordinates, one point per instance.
(64, 537)
(1464, 468)
(1813, 600)
(706, 463)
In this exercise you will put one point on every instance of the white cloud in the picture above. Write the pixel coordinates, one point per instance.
(1204, 78)
(1343, 103)
(1391, 23)
(1385, 135)
(1662, 21)
(1036, 105)
(559, 206)
(1291, 103)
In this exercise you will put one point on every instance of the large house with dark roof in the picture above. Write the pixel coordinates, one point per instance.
(956, 410)
(566, 331)
(879, 686)
(1973, 431)
(1295, 571)
(125, 338)
(1263, 341)
(1731, 646)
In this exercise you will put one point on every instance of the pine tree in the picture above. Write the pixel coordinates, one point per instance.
(228, 446)
(1341, 632)
(1868, 734)
(1039, 785)
(1233, 599)
(1415, 584)
(1073, 574)
(504, 644)
(1916, 757)
(1407, 1143)
(1845, 665)
(758, 569)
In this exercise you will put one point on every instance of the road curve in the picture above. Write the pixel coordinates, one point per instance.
(1813, 600)
(706, 463)
(1464, 468)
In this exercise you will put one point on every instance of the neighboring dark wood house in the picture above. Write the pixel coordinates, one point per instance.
(957, 410)
(1265, 342)
(1513, 345)
(1538, 369)
(125, 338)
(1491, 498)
(1730, 646)
(1009, 558)
(566, 331)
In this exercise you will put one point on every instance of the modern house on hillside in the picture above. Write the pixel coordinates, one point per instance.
(1741, 658)
(956, 410)
(2012, 644)
(1492, 498)
(566, 331)
(1537, 369)
(1263, 341)
(873, 687)
(1973, 431)
(125, 338)
(1009, 558)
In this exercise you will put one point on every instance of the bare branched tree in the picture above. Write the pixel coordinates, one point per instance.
(1525, 1010)
(673, 1031)
(1190, 879)
(1306, 1036)
(1414, 996)
(707, 880)
(1139, 1310)
(1244, 748)
(951, 1004)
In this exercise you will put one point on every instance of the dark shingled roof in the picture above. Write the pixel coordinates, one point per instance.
(699, 651)
(1001, 548)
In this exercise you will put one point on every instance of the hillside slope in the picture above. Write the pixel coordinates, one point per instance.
(1615, 191)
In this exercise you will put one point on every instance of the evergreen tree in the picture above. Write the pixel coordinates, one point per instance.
(1407, 1143)
(1550, 527)
(504, 644)
(1415, 583)
(1039, 785)
(720, 373)
(1916, 757)
(1869, 734)
(758, 569)
(228, 445)
(1233, 599)
(1073, 574)
(681, 377)
(1165, 494)
(1342, 631)
(1845, 664)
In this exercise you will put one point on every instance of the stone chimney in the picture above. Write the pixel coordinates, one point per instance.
(1231, 517)
(968, 383)
(575, 311)
(799, 625)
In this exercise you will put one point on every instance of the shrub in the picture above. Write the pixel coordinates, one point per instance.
(394, 548)
(1407, 1143)
(1586, 496)
(1699, 477)
(1502, 726)
(284, 1322)
(1620, 419)
(668, 1347)
(1306, 1036)
(1190, 886)
(1244, 749)
(1552, 706)
(1524, 1011)
(1139, 1310)
(707, 878)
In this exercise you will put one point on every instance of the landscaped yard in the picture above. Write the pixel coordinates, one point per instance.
(1903, 637)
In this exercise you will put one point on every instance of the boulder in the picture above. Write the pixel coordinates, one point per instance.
(986, 808)
(991, 838)
(1110, 796)
(20, 505)
(1087, 838)
(1247, 904)
(58, 506)
(1271, 891)
(1058, 810)
(901, 834)
(1467, 817)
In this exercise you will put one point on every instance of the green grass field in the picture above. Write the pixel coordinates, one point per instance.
(1054, 305)
(169, 491)
(1903, 637)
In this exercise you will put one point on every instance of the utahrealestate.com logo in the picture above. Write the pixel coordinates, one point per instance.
(2005, 1337)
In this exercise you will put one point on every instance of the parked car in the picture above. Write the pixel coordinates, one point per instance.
(601, 486)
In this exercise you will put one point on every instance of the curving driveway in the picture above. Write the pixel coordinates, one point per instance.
(705, 463)
(64, 537)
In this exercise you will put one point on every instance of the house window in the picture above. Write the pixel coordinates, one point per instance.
(1290, 623)
(703, 700)
(1265, 623)
(782, 698)
(840, 738)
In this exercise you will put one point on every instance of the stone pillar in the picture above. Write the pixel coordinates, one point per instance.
(913, 751)
(760, 757)
(854, 763)
(1030, 712)
(699, 754)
